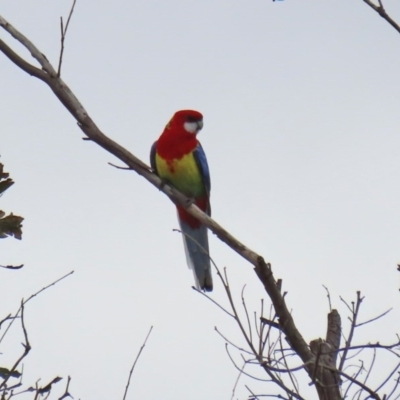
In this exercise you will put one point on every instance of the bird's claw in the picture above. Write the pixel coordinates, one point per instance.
(163, 183)
(189, 201)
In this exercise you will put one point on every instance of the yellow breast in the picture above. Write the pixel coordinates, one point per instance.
(183, 173)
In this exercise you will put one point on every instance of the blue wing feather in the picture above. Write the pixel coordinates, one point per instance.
(153, 157)
(201, 161)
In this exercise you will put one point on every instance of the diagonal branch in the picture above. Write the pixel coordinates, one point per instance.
(88, 126)
(134, 364)
(371, 393)
(382, 12)
(20, 62)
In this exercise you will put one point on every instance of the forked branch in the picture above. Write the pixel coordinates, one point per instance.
(380, 9)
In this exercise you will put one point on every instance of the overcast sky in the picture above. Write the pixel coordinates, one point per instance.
(301, 129)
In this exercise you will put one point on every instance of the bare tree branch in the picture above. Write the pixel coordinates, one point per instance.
(213, 301)
(66, 393)
(372, 346)
(375, 318)
(237, 381)
(247, 315)
(388, 377)
(23, 303)
(328, 295)
(354, 310)
(134, 364)
(63, 35)
(369, 369)
(291, 375)
(27, 349)
(397, 382)
(382, 12)
(361, 385)
(354, 377)
(231, 343)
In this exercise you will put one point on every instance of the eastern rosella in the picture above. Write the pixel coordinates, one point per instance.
(178, 158)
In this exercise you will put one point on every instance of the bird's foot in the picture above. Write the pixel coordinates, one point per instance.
(189, 201)
(163, 183)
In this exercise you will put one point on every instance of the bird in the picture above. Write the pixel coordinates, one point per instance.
(178, 158)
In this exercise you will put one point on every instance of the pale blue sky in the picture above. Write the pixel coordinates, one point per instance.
(300, 103)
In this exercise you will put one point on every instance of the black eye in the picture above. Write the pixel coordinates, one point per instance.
(191, 119)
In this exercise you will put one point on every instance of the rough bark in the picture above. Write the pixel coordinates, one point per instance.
(324, 375)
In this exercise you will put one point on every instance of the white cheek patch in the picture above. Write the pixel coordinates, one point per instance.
(191, 127)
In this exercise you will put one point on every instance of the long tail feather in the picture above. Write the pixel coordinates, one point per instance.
(197, 255)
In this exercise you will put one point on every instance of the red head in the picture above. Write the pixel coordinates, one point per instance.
(191, 121)
(179, 136)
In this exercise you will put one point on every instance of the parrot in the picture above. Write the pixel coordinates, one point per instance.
(178, 158)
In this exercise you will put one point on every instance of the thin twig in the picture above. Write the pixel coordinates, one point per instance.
(374, 319)
(346, 304)
(213, 301)
(247, 314)
(267, 335)
(66, 393)
(242, 370)
(291, 376)
(356, 354)
(30, 298)
(260, 329)
(47, 388)
(359, 370)
(259, 357)
(370, 368)
(362, 386)
(6, 319)
(63, 35)
(277, 396)
(231, 343)
(237, 381)
(397, 382)
(370, 346)
(282, 370)
(272, 324)
(48, 286)
(387, 378)
(134, 364)
(328, 295)
(254, 396)
(354, 310)
(26, 345)
(118, 166)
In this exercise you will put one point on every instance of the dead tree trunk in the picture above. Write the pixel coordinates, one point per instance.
(323, 371)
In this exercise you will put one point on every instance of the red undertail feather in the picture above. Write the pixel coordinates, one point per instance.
(184, 216)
